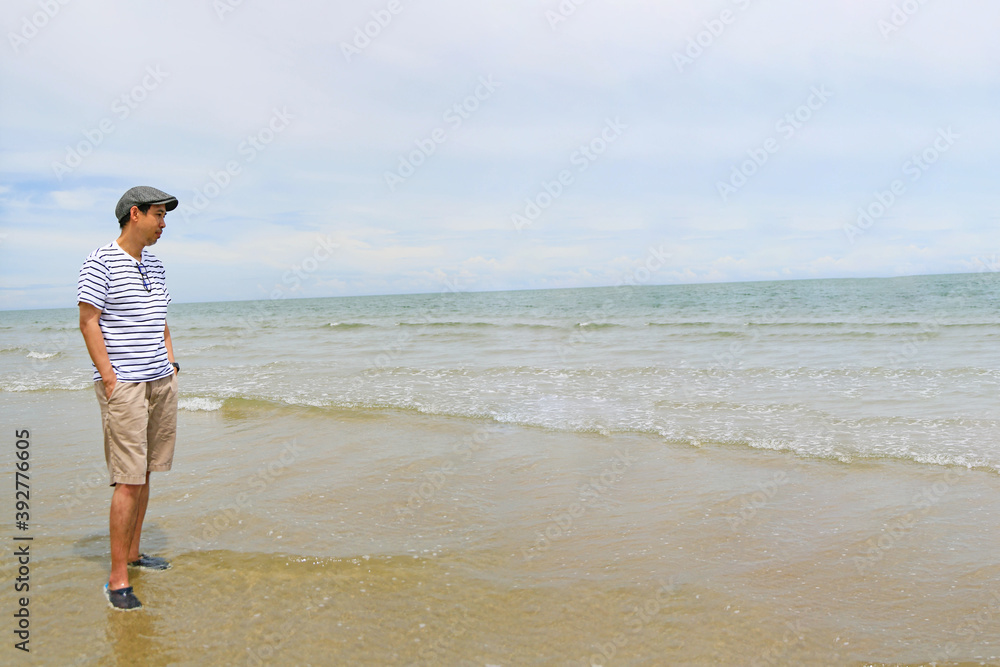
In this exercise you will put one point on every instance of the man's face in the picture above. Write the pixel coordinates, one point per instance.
(151, 223)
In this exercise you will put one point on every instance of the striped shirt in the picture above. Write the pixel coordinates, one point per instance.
(132, 318)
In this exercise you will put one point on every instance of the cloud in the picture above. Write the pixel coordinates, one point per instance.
(189, 104)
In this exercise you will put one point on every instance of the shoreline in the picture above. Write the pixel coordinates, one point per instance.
(766, 554)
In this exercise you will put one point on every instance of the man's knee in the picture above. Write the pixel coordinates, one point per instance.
(130, 490)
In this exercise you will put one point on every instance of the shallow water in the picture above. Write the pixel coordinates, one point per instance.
(904, 368)
(390, 540)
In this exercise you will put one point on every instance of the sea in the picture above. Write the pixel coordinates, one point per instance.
(766, 473)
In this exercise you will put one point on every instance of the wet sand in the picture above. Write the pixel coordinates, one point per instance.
(317, 536)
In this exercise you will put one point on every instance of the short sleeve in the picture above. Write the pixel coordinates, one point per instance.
(92, 286)
(166, 292)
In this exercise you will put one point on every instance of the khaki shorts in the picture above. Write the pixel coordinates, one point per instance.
(140, 427)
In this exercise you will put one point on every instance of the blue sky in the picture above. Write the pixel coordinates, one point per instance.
(498, 145)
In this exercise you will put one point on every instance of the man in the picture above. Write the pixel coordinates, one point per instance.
(123, 316)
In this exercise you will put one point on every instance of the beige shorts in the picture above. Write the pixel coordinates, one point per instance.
(140, 427)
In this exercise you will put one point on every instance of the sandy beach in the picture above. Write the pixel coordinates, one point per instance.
(388, 539)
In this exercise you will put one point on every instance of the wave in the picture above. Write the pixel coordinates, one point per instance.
(575, 379)
(19, 385)
(349, 325)
(599, 325)
(818, 436)
(584, 402)
(930, 325)
(199, 404)
(448, 324)
(33, 354)
(482, 325)
(805, 324)
(526, 325)
(687, 324)
(242, 326)
(475, 325)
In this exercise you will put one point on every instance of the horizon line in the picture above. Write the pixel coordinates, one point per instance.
(539, 289)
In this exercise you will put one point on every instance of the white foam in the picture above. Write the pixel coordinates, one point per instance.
(41, 355)
(197, 403)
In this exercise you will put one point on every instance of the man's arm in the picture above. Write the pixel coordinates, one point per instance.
(170, 346)
(90, 326)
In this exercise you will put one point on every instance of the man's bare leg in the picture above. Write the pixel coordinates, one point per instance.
(133, 552)
(124, 509)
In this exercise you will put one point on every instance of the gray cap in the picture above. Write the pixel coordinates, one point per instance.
(143, 194)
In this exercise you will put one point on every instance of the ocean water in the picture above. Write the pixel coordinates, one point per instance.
(905, 368)
(734, 474)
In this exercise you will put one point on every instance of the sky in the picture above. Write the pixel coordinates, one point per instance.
(418, 146)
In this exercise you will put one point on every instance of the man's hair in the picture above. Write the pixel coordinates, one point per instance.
(143, 208)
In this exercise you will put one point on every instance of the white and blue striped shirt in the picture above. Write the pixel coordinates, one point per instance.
(132, 317)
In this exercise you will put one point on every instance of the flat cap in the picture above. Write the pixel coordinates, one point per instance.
(143, 194)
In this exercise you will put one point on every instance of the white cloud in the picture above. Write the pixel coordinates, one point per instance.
(222, 79)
